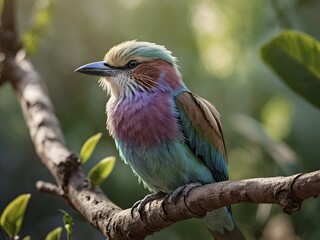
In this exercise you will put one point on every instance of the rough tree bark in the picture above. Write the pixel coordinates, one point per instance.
(90, 201)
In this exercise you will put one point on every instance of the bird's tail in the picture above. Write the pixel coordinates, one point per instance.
(222, 226)
(234, 234)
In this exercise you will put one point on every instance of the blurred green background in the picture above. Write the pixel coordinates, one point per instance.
(269, 130)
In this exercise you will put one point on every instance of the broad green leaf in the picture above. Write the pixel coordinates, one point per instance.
(88, 147)
(68, 222)
(101, 170)
(12, 216)
(54, 234)
(295, 57)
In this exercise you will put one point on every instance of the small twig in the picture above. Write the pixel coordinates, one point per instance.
(49, 188)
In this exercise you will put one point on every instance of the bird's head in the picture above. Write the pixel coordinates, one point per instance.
(134, 66)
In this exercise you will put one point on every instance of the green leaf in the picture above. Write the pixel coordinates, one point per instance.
(41, 18)
(67, 219)
(68, 228)
(88, 147)
(101, 170)
(27, 238)
(295, 57)
(68, 222)
(12, 216)
(54, 234)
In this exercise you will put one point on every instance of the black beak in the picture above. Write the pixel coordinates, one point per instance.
(101, 69)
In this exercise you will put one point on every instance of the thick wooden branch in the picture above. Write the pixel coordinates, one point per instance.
(91, 202)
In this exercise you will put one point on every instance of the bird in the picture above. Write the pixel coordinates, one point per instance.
(171, 138)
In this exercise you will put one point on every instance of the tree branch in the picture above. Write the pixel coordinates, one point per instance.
(9, 43)
(91, 202)
(50, 188)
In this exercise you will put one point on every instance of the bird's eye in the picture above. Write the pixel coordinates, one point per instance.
(132, 64)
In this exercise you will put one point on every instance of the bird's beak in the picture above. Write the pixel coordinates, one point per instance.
(100, 69)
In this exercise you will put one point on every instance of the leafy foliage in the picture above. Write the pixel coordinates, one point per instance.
(88, 147)
(68, 222)
(54, 234)
(12, 216)
(295, 57)
(101, 170)
(41, 19)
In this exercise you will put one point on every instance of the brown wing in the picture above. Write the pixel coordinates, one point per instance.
(202, 128)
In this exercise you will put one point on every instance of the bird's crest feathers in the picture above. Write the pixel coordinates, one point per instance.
(121, 54)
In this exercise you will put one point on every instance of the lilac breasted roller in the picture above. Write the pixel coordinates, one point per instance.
(171, 138)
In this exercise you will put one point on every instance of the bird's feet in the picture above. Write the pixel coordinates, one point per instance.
(142, 203)
(182, 191)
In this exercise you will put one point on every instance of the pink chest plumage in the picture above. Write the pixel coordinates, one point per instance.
(144, 120)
